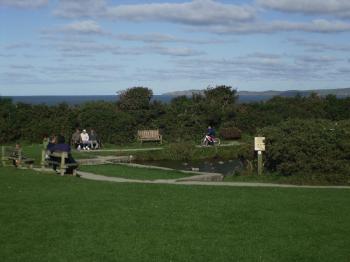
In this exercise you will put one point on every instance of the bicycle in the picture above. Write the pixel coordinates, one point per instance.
(208, 141)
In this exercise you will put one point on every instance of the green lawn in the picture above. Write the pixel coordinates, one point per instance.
(308, 179)
(133, 172)
(51, 218)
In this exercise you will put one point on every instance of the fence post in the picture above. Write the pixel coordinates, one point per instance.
(3, 159)
(260, 165)
(43, 158)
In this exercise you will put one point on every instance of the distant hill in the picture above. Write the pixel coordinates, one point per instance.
(244, 96)
(252, 96)
(74, 100)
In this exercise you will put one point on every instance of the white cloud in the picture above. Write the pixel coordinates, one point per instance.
(261, 66)
(173, 51)
(317, 63)
(80, 8)
(21, 67)
(205, 15)
(7, 55)
(331, 7)
(17, 45)
(312, 46)
(83, 27)
(24, 3)
(315, 26)
(197, 12)
(148, 38)
(164, 38)
(85, 49)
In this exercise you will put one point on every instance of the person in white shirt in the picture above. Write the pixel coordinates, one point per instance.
(85, 140)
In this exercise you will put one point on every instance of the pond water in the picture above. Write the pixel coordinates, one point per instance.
(225, 167)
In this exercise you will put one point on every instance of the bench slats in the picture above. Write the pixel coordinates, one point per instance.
(149, 135)
(12, 153)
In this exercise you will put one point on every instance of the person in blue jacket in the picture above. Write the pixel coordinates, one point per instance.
(210, 135)
(61, 146)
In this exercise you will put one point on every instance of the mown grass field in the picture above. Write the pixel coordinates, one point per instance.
(51, 218)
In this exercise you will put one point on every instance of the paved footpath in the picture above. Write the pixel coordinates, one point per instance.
(91, 176)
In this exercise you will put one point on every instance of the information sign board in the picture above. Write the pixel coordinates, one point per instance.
(259, 143)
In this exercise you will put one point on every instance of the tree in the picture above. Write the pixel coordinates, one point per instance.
(219, 104)
(135, 98)
(222, 95)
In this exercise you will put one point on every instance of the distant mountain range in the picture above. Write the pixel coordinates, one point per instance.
(244, 96)
(254, 96)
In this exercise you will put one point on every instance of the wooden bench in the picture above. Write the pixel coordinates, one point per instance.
(48, 160)
(149, 135)
(10, 154)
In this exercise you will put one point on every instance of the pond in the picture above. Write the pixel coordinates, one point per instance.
(225, 167)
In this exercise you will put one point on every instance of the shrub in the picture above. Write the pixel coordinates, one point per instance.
(180, 151)
(230, 133)
(308, 147)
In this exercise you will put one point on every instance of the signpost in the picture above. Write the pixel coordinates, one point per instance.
(259, 145)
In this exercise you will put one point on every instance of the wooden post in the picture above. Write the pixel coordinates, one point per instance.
(3, 159)
(259, 146)
(43, 158)
(260, 165)
(19, 157)
(62, 164)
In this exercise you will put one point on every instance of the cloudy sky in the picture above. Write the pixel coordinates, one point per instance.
(76, 47)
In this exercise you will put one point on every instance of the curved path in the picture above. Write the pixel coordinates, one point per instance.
(95, 177)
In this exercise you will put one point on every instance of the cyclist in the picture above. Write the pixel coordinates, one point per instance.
(210, 135)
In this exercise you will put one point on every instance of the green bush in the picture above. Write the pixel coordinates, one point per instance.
(230, 133)
(308, 147)
(180, 151)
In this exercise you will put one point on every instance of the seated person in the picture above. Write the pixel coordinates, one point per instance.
(76, 141)
(93, 139)
(84, 136)
(46, 141)
(17, 152)
(50, 144)
(61, 146)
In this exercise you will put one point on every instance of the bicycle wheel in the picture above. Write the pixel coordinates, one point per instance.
(217, 141)
(204, 142)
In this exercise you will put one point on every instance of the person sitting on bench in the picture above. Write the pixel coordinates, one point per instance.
(19, 157)
(16, 154)
(93, 139)
(61, 146)
(85, 140)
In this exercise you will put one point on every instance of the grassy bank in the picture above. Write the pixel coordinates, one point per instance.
(133, 172)
(51, 218)
(298, 179)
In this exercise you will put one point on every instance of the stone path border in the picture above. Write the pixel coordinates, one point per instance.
(91, 176)
(189, 182)
(120, 150)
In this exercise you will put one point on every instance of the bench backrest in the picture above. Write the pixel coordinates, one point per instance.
(60, 160)
(59, 154)
(148, 133)
(45, 153)
(10, 151)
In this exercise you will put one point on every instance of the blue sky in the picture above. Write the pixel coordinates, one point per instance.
(100, 47)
